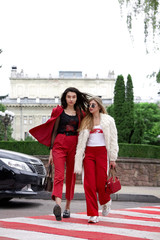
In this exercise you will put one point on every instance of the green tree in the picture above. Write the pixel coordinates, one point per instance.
(110, 110)
(119, 99)
(149, 10)
(128, 122)
(29, 139)
(2, 127)
(158, 77)
(139, 128)
(150, 113)
(2, 108)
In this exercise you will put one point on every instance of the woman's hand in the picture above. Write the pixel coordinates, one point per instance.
(112, 164)
(50, 161)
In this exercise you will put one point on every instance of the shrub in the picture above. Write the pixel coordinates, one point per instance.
(139, 150)
(125, 149)
(31, 148)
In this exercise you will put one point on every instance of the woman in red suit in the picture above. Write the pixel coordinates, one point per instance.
(59, 133)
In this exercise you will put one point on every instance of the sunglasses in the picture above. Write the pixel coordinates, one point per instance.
(93, 105)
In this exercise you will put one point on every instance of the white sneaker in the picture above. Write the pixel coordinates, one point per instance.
(93, 219)
(106, 208)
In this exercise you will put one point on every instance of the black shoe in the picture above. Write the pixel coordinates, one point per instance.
(57, 212)
(66, 214)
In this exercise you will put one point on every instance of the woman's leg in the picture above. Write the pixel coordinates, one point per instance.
(68, 202)
(101, 174)
(59, 158)
(70, 176)
(58, 200)
(90, 182)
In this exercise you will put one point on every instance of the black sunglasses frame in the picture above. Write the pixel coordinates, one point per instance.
(93, 105)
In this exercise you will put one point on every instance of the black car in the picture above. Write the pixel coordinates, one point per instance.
(21, 175)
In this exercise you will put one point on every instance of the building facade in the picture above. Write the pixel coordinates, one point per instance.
(32, 99)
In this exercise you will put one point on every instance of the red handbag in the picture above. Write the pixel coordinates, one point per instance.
(113, 184)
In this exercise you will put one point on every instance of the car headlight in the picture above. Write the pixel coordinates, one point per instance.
(16, 164)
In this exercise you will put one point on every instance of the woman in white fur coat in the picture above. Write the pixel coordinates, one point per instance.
(97, 150)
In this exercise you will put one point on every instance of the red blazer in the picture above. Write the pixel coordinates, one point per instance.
(43, 132)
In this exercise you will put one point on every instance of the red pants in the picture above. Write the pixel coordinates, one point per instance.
(95, 177)
(63, 151)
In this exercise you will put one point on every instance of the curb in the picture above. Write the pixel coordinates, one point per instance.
(135, 198)
(115, 197)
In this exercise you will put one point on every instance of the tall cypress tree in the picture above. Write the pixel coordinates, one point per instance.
(119, 99)
(139, 129)
(128, 111)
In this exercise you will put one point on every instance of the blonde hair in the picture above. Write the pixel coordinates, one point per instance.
(87, 122)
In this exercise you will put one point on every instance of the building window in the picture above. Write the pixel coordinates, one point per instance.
(25, 120)
(56, 99)
(30, 120)
(44, 119)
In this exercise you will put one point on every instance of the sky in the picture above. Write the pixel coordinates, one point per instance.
(47, 36)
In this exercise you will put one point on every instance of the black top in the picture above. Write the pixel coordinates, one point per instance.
(67, 123)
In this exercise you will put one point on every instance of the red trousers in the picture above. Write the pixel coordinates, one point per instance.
(95, 178)
(63, 152)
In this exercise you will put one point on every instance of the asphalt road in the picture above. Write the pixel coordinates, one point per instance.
(38, 207)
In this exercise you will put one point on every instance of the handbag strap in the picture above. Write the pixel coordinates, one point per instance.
(49, 170)
(112, 173)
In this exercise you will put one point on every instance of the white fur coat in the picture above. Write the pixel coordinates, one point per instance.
(110, 134)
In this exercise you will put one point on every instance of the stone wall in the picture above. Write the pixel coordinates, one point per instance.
(139, 172)
(132, 171)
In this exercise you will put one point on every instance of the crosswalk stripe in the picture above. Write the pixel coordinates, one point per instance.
(81, 233)
(153, 207)
(119, 224)
(81, 227)
(24, 235)
(111, 223)
(147, 209)
(136, 214)
(121, 220)
(6, 238)
(133, 217)
(78, 230)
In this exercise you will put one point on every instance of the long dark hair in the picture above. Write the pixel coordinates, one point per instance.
(82, 99)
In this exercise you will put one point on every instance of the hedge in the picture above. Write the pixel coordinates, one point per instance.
(31, 148)
(139, 150)
(125, 150)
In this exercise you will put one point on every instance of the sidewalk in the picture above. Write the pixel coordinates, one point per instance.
(127, 193)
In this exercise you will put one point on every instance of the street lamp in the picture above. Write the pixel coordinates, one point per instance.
(6, 118)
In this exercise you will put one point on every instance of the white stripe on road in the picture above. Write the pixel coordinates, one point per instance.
(87, 228)
(145, 209)
(135, 214)
(120, 220)
(28, 235)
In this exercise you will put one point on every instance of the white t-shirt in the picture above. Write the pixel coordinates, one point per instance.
(96, 137)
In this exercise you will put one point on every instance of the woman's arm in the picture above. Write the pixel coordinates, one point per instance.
(54, 134)
(113, 144)
(80, 151)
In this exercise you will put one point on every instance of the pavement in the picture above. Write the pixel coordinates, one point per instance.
(127, 193)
